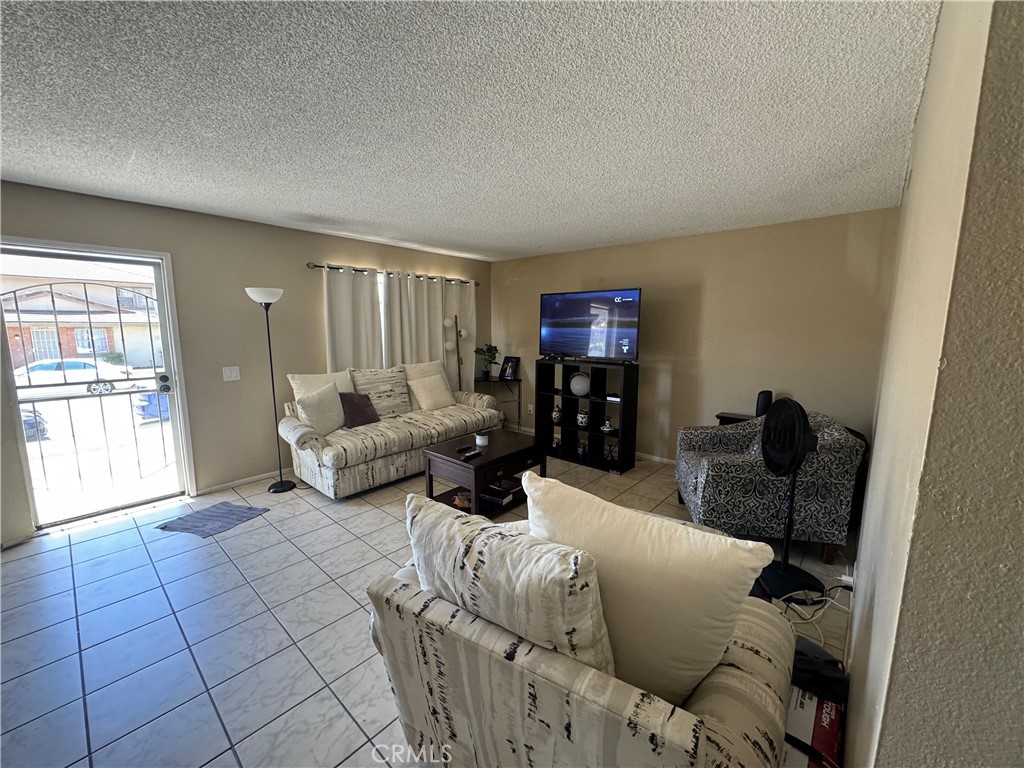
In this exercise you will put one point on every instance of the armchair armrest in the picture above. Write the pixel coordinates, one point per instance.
(476, 400)
(300, 435)
(750, 465)
(731, 438)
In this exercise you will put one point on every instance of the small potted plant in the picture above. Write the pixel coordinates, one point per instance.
(489, 354)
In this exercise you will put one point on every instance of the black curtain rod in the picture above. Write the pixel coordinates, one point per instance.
(389, 273)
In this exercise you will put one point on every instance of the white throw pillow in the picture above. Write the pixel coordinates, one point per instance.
(544, 592)
(322, 410)
(431, 393)
(671, 593)
(417, 371)
(308, 383)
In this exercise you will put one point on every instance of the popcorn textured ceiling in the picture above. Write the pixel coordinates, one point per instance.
(497, 130)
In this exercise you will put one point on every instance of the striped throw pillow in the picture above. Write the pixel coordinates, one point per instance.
(544, 592)
(386, 388)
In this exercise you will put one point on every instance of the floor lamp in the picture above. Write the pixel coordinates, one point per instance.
(453, 346)
(265, 297)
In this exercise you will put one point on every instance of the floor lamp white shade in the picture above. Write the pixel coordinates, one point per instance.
(265, 295)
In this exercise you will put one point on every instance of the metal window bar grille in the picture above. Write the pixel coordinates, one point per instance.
(38, 342)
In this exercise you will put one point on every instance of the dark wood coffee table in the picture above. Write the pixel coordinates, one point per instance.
(506, 454)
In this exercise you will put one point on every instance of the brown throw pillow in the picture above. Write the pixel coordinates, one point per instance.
(358, 409)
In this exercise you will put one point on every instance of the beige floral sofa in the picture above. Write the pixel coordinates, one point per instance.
(349, 460)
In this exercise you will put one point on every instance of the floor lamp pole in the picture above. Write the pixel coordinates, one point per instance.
(458, 352)
(281, 485)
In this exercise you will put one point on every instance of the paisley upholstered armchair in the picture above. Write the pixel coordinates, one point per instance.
(723, 481)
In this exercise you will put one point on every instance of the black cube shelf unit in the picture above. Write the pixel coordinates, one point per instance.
(612, 396)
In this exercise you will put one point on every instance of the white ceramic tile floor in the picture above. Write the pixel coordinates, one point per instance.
(126, 645)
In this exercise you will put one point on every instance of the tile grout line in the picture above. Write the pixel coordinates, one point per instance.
(81, 662)
(195, 663)
(312, 666)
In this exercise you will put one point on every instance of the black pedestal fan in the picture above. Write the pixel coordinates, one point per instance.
(786, 439)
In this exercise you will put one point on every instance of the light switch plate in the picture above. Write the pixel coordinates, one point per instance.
(232, 373)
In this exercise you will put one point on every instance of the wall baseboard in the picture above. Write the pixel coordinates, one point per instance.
(243, 481)
(655, 459)
(647, 456)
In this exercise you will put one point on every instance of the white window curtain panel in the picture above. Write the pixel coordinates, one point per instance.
(352, 312)
(459, 298)
(413, 319)
(415, 308)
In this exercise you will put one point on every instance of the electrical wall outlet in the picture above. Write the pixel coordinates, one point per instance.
(847, 580)
(232, 373)
(529, 407)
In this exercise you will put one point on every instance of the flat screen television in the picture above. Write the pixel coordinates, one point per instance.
(603, 325)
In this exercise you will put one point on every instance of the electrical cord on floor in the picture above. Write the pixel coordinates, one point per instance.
(822, 603)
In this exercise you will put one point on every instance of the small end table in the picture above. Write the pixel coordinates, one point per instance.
(515, 394)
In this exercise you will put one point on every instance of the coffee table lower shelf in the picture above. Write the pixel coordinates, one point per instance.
(487, 508)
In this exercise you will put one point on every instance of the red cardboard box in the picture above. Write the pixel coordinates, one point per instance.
(816, 722)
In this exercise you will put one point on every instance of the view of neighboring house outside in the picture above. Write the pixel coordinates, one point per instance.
(57, 309)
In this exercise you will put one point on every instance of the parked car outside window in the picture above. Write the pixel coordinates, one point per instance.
(101, 378)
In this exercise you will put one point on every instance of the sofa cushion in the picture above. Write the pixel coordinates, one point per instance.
(547, 593)
(322, 409)
(671, 593)
(387, 389)
(431, 393)
(358, 409)
(408, 431)
(418, 371)
(308, 383)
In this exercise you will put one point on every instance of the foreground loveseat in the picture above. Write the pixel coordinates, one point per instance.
(588, 635)
(471, 693)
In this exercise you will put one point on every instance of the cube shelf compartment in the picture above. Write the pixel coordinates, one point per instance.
(612, 395)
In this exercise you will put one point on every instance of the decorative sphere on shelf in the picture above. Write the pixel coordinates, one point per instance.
(579, 384)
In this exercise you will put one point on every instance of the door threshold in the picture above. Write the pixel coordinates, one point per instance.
(112, 513)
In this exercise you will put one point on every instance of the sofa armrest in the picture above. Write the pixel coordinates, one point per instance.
(731, 438)
(300, 435)
(477, 400)
(747, 694)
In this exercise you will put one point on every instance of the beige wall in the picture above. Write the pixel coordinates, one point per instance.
(213, 260)
(797, 308)
(936, 675)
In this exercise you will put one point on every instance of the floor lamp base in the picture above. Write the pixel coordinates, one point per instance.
(281, 486)
(782, 580)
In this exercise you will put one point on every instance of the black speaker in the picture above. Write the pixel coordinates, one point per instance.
(764, 402)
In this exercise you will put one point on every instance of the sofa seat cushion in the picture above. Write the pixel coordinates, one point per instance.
(407, 431)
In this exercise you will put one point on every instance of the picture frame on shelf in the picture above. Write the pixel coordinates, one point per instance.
(509, 369)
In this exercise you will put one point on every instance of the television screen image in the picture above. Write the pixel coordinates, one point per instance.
(597, 324)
